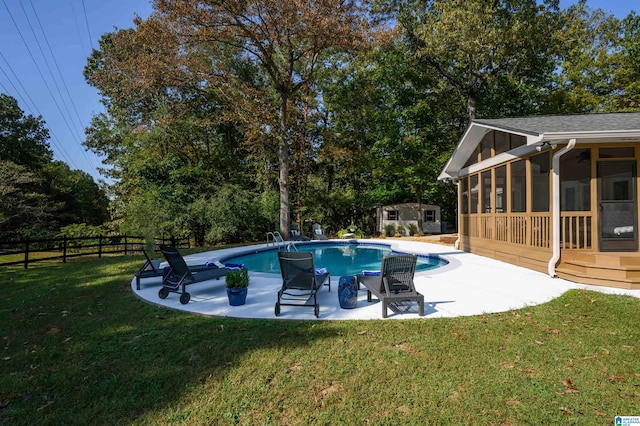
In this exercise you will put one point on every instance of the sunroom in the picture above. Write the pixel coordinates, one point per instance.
(557, 194)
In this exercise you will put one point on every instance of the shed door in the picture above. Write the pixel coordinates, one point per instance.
(617, 205)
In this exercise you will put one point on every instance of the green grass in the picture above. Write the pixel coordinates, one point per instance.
(79, 348)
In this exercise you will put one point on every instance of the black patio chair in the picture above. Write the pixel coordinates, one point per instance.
(180, 275)
(149, 269)
(300, 281)
(394, 283)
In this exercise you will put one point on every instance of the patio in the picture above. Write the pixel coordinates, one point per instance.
(468, 285)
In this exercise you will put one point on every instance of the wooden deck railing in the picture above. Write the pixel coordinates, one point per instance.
(531, 229)
(576, 230)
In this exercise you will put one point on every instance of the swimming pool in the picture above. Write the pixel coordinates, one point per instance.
(339, 258)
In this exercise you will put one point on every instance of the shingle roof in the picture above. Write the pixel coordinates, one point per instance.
(538, 125)
(582, 127)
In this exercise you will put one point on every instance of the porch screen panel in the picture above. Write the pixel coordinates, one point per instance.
(500, 201)
(519, 186)
(501, 189)
(617, 200)
(540, 182)
(621, 152)
(500, 142)
(486, 191)
(464, 195)
(575, 181)
(473, 159)
(485, 146)
(473, 182)
(517, 141)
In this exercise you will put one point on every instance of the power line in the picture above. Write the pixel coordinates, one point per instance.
(31, 107)
(75, 21)
(64, 83)
(43, 79)
(46, 62)
(34, 111)
(87, 22)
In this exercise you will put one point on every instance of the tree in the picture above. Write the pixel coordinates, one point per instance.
(480, 45)
(286, 39)
(582, 82)
(167, 133)
(396, 123)
(23, 139)
(25, 211)
(81, 199)
(39, 195)
(626, 78)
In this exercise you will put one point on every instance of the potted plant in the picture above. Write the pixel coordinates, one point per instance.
(237, 281)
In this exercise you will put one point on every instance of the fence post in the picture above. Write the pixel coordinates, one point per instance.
(64, 249)
(125, 244)
(100, 247)
(26, 254)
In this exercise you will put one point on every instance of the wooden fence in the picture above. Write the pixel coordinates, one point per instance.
(30, 251)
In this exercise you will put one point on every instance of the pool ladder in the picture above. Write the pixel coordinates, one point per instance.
(276, 239)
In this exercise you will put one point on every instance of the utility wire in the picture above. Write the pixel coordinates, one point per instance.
(64, 83)
(75, 21)
(41, 75)
(87, 23)
(34, 112)
(31, 107)
(46, 62)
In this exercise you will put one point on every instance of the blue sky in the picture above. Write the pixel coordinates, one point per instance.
(56, 89)
(64, 32)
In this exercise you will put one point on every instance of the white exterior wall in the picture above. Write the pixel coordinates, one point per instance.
(409, 213)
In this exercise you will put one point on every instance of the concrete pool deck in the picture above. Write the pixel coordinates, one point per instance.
(468, 285)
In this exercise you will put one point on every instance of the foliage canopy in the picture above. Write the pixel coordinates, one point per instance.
(227, 119)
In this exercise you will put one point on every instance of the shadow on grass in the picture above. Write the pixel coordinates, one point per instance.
(79, 346)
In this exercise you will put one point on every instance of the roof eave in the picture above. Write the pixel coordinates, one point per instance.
(609, 134)
(471, 138)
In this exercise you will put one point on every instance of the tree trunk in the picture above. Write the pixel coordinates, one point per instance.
(283, 160)
(471, 105)
(420, 216)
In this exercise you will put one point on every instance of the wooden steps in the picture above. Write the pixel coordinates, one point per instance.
(615, 269)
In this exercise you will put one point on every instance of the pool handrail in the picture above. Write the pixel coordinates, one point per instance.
(276, 239)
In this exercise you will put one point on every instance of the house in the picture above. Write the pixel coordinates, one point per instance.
(409, 213)
(557, 194)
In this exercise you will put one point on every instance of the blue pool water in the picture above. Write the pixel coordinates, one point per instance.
(339, 259)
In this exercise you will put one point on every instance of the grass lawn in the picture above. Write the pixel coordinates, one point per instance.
(79, 348)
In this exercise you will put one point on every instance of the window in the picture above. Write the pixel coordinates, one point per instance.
(473, 181)
(519, 186)
(575, 180)
(473, 159)
(464, 195)
(501, 142)
(393, 215)
(429, 215)
(517, 141)
(486, 191)
(485, 146)
(624, 152)
(501, 189)
(540, 182)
